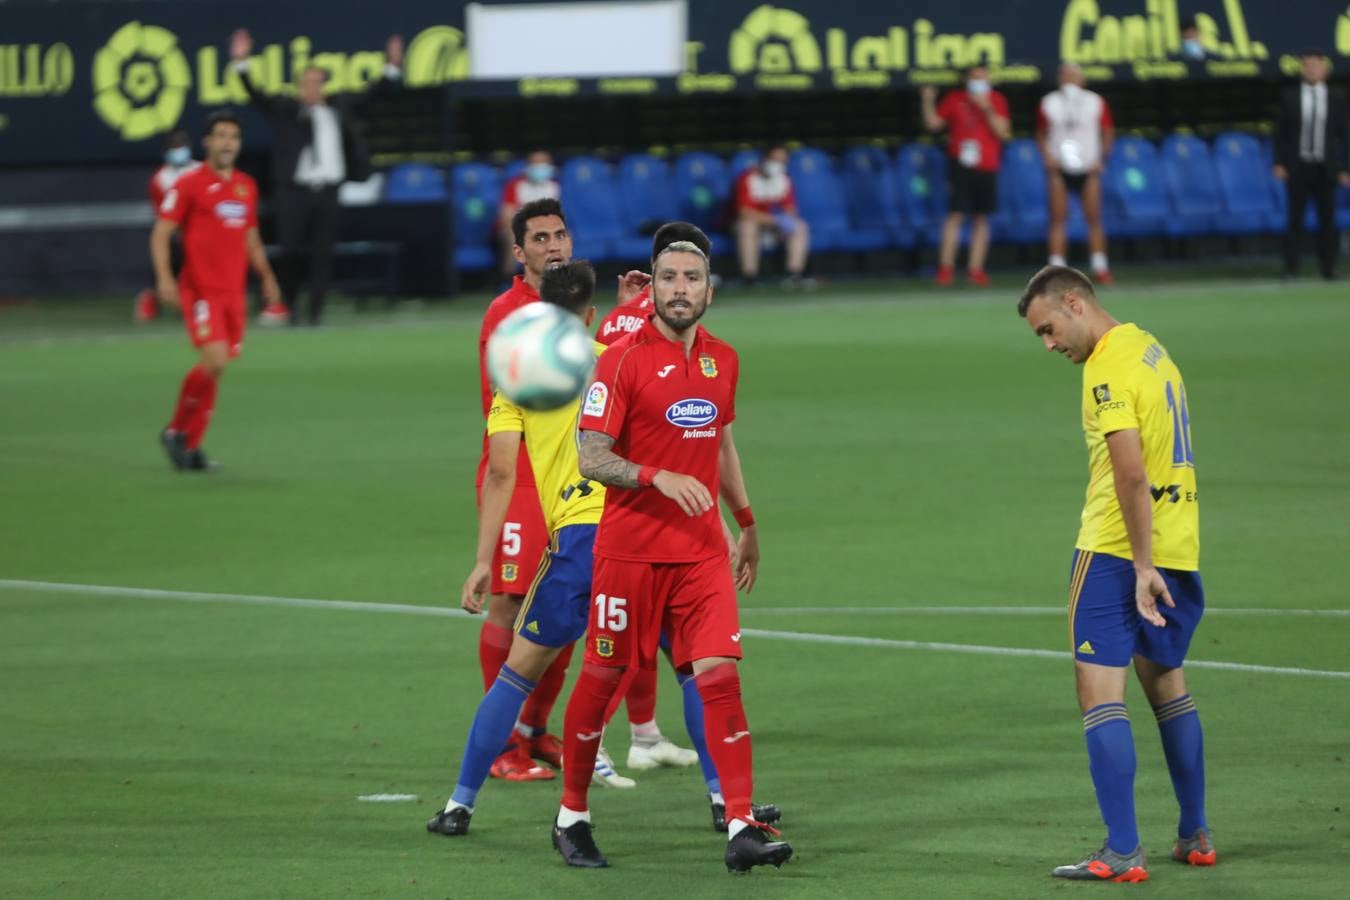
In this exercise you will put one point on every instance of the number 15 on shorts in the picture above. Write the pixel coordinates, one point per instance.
(611, 613)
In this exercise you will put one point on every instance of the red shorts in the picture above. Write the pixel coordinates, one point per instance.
(634, 602)
(524, 540)
(212, 316)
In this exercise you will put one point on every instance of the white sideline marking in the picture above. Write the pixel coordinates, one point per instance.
(1011, 611)
(101, 590)
(388, 798)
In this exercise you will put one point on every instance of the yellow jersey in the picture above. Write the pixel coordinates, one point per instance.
(1130, 381)
(551, 442)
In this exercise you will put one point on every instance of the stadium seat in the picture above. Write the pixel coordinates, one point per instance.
(1024, 210)
(873, 202)
(1244, 176)
(742, 160)
(703, 191)
(591, 199)
(820, 201)
(415, 183)
(921, 189)
(648, 195)
(1194, 190)
(1135, 191)
(475, 192)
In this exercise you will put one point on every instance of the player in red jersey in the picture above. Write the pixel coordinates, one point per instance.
(655, 428)
(178, 162)
(216, 207)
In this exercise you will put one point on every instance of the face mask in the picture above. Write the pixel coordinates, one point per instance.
(178, 156)
(538, 172)
(1071, 91)
(773, 168)
(1193, 49)
(978, 86)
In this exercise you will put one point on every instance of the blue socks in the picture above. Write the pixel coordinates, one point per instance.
(489, 733)
(693, 723)
(1110, 746)
(1184, 745)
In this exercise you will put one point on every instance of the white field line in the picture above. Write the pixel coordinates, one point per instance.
(796, 636)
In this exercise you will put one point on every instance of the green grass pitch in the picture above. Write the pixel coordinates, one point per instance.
(905, 450)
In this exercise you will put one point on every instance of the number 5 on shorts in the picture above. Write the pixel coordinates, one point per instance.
(511, 539)
(611, 613)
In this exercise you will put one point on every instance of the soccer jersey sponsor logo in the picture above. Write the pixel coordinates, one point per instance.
(604, 647)
(231, 211)
(691, 413)
(666, 371)
(699, 433)
(597, 398)
(1101, 393)
(708, 366)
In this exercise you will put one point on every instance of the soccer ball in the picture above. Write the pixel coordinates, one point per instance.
(540, 356)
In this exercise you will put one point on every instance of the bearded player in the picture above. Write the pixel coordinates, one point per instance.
(656, 430)
(1135, 594)
(216, 207)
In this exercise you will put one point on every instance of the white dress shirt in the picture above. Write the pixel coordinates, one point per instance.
(1312, 144)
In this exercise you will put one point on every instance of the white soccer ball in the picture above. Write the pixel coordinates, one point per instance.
(540, 356)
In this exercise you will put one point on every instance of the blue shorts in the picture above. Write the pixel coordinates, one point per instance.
(555, 610)
(1105, 625)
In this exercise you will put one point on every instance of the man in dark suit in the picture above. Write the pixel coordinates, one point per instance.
(315, 148)
(1312, 152)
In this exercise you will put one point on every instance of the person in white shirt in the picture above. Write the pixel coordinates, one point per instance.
(1075, 131)
(1312, 153)
(766, 207)
(315, 148)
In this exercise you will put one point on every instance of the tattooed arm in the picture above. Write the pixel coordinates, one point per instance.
(598, 461)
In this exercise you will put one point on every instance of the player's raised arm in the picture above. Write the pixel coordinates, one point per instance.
(499, 483)
(737, 499)
(600, 463)
(257, 259)
(1136, 507)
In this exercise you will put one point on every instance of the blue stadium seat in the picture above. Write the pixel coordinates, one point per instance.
(1343, 207)
(647, 195)
(1194, 189)
(820, 201)
(1135, 191)
(703, 190)
(475, 193)
(742, 160)
(512, 169)
(415, 183)
(1024, 210)
(1244, 186)
(591, 201)
(921, 189)
(873, 204)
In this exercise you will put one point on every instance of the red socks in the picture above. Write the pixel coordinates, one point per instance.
(642, 697)
(539, 706)
(494, 645)
(728, 736)
(196, 401)
(583, 725)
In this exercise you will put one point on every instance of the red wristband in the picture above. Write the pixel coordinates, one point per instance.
(744, 518)
(646, 476)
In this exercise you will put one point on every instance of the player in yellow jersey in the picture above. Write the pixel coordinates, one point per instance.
(555, 610)
(1135, 594)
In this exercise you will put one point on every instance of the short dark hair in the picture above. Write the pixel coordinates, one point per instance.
(671, 232)
(966, 72)
(219, 116)
(569, 285)
(1054, 281)
(177, 138)
(1189, 24)
(1312, 51)
(533, 210)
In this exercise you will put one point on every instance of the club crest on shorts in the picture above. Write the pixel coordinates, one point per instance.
(604, 647)
(708, 366)
(510, 572)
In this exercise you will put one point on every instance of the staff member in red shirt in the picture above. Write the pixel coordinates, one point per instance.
(216, 206)
(537, 181)
(766, 206)
(977, 122)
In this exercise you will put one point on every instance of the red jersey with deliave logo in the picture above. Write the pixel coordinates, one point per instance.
(215, 215)
(667, 410)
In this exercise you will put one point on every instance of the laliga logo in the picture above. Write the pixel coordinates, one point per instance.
(691, 413)
(141, 80)
(435, 56)
(770, 39)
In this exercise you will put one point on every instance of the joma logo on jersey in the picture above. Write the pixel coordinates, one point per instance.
(1101, 393)
(691, 413)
